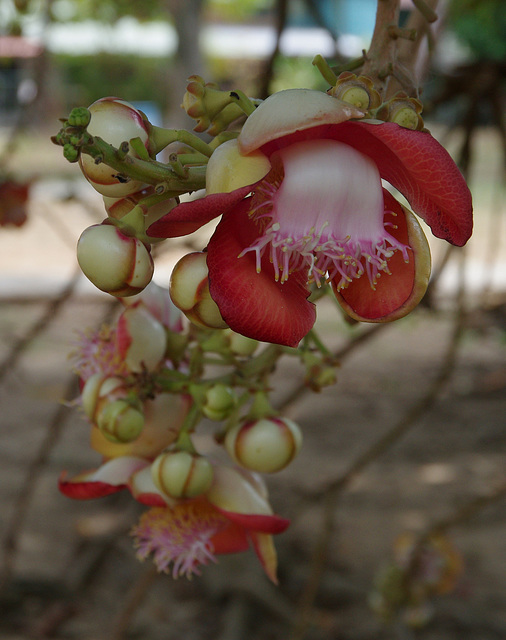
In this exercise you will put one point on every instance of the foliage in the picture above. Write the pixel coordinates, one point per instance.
(87, 78)
(481, 24)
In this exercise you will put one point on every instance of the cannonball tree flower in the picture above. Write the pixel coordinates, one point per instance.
(301, 198)
(182, 535)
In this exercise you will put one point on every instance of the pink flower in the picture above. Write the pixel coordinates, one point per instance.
(302, 201)
(184, 534)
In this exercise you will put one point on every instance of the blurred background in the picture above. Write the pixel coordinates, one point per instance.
(412, 438)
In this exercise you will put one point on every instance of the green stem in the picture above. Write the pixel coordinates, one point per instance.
(150, 172)
(242, 100)
(161, 138)
(324, 68)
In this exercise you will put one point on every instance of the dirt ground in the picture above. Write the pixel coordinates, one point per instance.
(74, 575)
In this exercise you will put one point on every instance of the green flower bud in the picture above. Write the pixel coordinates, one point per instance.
(79, 117)
(70, 152)
(266, 445)
(180, 474)
(119, 421)
(114, 263)
(95, 389)
(219, 401)
(241, 345)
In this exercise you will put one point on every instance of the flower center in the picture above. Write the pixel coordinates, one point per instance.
(180, 535)
(325, 215)
(97, 352)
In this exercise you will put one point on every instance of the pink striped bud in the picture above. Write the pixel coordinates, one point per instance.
(180, 474)
(115, 121)
(266, 445)
(189, 290)
(115, 263)
(141, 339)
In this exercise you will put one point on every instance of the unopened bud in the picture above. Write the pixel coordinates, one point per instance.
(267, 445)
(180, 474)
(241, 345)
(117, 264)
(119, 421)
(115, 121)
(141, 339)
(119, 207)
(96, 388)
(219, 401)
(189, 291)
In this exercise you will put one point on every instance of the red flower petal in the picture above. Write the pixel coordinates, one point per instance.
(397, 294)
(86, 490)
(232, 539)
(252, 303)
(257, 521)
(414, 163)
(190, 216)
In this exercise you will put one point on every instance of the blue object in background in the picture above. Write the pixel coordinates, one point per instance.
(354, 17)
(152, 111)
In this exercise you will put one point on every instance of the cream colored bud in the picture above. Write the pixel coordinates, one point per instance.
(115, 121)
(241, 345)
(180, 474)
(189, 291)
(141, 339)
(119, 421)
(96, 388)
(113, 262)
(266, 445)
(218, 402)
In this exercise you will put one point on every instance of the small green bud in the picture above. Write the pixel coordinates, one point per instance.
(181, 474)
(119, 421)
(219, 401)
(70, 152)
(79, 117)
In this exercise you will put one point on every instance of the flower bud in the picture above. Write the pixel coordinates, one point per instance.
(402, 110)
(358, 91)
(180, 474)
(115, 121)
(203, 101)
(96, 388)
(266, 445)
(219, 401)
(141, 339)
(189, 291)
(120, 421)
(241, 345)
(119, 207)
(114, 263)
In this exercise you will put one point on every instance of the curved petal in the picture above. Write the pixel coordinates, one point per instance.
(232, 539)
(257, 522)
(254, 304)
(397, 294)
(110, 477)
(86, 490)
(190, 216)
(292, 110)
(266, 552)
(411, 161)
(229, 170)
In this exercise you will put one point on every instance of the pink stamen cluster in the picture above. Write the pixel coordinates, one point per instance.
(323, 212)
(96, 351)
(180, 535)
